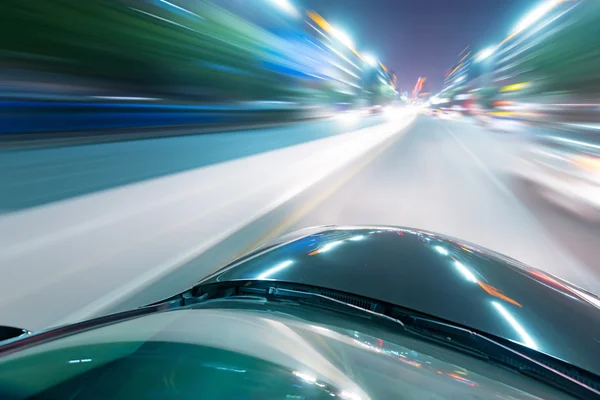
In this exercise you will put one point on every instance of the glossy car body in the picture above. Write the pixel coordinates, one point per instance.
(369, 283)
(442, 277)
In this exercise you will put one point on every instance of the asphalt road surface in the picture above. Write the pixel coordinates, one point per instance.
(82, 228)
(454, 177)
(78, 222)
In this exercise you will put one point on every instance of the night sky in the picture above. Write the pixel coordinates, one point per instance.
(421, 37)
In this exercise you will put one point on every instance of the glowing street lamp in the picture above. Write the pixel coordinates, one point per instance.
(286, 6)
(342, 37)
(369, 59)
(485, 53)
(544, 8)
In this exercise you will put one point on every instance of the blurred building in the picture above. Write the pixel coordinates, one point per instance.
(455, 93)
(548, 57)
(459, 74)
(393, 78)
(550, 61)
(418, 87)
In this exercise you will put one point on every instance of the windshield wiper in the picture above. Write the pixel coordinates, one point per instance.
(329, 302)
(557, 373)
(574, 380)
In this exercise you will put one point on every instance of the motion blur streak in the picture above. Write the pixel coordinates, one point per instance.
(114, 195)
(126, 237)
(174, 54)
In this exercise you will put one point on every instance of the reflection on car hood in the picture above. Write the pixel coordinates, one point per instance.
(235, 350)
(439, 276)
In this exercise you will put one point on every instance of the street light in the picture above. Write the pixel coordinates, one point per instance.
(342, 37)
(286, 6)
(531, 18)
(369, 59)
(485, 53)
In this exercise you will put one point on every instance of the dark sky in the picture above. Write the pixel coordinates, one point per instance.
(420, 37)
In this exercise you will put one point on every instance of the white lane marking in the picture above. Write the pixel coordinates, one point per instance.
(569, 260)
(499, 185)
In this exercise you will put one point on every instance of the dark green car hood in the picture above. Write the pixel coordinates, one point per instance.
(440, 276)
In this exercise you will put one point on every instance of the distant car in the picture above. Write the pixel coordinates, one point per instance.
(565, 167)
(351, 313)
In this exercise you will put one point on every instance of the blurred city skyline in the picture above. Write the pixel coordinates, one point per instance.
(422, 38)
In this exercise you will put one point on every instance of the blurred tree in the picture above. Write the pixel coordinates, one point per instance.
(136, 43)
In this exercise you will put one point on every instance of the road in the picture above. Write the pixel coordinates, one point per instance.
(97, 228)
(84, 227)
(454, 177)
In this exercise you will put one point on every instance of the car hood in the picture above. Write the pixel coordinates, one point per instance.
(232, 349)
(440, 276)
